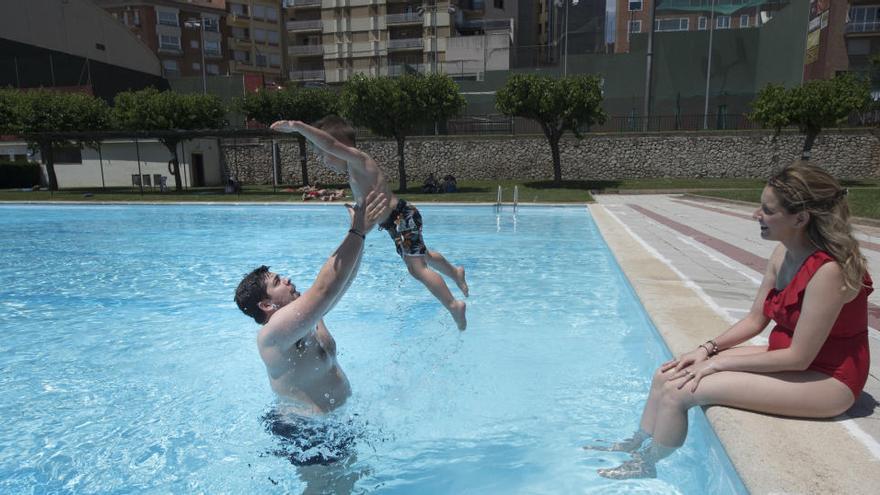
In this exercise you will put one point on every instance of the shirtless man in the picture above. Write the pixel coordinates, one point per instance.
(334, 140)
(295, 345)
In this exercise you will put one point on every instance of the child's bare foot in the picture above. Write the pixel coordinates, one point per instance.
(460, 282)
(457, 309)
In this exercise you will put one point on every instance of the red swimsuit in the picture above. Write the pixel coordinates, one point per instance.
(844, 355)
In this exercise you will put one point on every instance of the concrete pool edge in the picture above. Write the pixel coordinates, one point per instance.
(771, 454)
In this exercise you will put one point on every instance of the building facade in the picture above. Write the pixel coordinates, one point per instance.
(187, 36)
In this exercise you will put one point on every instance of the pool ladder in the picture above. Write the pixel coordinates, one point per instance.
(498, 203)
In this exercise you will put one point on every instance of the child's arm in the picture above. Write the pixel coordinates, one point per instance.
(324, 141)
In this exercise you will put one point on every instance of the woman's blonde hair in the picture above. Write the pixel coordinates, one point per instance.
(802, 186)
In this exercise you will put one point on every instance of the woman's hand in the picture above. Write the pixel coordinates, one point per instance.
(687, 359)
(691, 376)
(285, 125)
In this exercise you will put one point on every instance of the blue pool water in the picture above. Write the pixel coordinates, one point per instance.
(125, 366)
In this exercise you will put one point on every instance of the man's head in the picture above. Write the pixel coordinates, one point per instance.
(261, 292)
(337, 127)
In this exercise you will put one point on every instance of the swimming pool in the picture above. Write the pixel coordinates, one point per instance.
(126, 366)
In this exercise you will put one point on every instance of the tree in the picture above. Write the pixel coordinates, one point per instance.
(152, 110)
(291, 103)
(33, 113)
(558, 105)
(812, 106)
(394, 107)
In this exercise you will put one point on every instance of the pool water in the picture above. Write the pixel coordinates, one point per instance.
(125, 365)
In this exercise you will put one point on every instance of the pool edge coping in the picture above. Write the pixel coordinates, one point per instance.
(771, 454)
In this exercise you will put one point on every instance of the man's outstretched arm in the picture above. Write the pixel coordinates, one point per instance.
(295, 320)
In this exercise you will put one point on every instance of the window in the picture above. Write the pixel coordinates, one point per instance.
(212, 69)
(137, 18)
(259, 11)
(241, 56)
(722, 22)
(169, 42)
(241, 33)
(635, 5)
(499, 4)
(262, 60)
(680, 24)
(194, 44)
(273, 37)
(260, 35)
(271, 14)
(197, 66)
(212, 47)
(701, 23)
(212, 24)
(171, 68)
(238, 9)
(274, 60)
(635, 26)
(167, 18)
(744, 21)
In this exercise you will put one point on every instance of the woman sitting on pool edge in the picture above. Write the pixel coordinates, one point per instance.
(816, 290)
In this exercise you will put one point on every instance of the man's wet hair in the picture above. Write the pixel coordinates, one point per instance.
(337, 127)
(251, 290)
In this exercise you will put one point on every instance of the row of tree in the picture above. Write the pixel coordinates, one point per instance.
(390, 107)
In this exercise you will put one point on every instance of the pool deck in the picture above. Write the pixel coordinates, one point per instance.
(696, 264)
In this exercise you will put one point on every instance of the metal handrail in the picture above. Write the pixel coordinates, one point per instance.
(498, 200)
(515, 198)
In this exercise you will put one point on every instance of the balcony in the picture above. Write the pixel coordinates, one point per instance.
(301, 26)
(406, 44)
(863, 27)
(299, 4)
(407, 18)
(305, 50)
(395, 70)
(307, 75)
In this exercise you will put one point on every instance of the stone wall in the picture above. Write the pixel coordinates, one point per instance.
(850, 153)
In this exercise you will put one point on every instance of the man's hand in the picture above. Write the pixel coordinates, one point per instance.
(375, 207)
(285, 126)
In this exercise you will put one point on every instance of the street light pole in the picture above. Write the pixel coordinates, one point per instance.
(200, 23)
(565, 42)
(709, 66)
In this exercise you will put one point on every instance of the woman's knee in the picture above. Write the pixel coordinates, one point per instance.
(673, 396)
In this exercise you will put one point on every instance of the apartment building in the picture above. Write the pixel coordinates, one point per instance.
(328, 41)
(862, 35)
(256, 41)
(634, 16)
(183, 34)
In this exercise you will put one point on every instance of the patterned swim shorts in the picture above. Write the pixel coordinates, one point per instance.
(404, 225)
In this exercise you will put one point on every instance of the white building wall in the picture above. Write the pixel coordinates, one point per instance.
(120, 162)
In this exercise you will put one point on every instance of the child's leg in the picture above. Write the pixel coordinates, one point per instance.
(439, 263)
(419, 269)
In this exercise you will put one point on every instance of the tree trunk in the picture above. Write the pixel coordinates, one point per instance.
(401, 170)
(557, 162)
(808, 143)
(174, 166)
(303, 159)
(47, 152)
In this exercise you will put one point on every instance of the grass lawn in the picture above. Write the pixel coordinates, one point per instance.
(864, 195)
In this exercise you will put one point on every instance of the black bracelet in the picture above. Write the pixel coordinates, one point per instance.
(355, 232)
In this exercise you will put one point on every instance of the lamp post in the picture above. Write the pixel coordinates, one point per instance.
(709, 65)
(200, 24)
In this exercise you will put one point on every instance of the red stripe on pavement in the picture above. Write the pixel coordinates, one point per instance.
(862, 243)
(739, 255)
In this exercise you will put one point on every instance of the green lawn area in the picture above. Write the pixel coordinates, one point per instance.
(864, 194)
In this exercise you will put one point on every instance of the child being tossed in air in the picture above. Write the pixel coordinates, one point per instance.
(334, 139)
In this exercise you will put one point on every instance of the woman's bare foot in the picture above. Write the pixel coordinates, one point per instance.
(457, 309)
(460, 282)
(633, 468)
